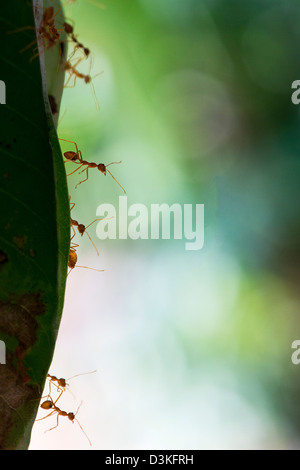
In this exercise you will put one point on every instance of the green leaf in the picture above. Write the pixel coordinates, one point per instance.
(34, 225)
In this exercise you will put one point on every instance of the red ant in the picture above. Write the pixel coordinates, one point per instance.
(73, 72)
(72, 262)
(47, 31)
(72, 257)
(74, 156)
(49, 404)
(78, 45)
(61, 383)
(81, 228)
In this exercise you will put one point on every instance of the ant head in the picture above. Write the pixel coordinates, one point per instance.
(47, 404)
(102, 168)
(86, 51)
(87, 79)
(81, 229)
(62, 383)
(70, 155)
(71, 416)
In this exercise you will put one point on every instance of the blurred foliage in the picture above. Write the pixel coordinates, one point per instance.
(195, 99)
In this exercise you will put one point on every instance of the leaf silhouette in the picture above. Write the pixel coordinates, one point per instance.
(34, 225)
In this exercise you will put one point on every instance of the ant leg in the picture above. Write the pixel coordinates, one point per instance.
(83, 431)
(87, 175)
(80, 424)
(68, 161)
(71, 74)
(77, 62)
(23, 28)
(42, 398)
(92, 243)
(50, 381)
(70, 142)
(82, 170)
(74, 232)
(56, 13)
(58, 390)
(95, 96)
(67, 82)
(93, 269)
(52, 412)
(56, 423)
(75, 170)
(94, 222)
(113, 163)
(79, 375)
(34, 56)
(91, 82)
(62, 391)
(28, 46)
(89, 235)
(80, 156)
(71, 204)
(85, 267)
(115, 178)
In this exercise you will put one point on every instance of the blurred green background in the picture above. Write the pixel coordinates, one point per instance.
(192, 349)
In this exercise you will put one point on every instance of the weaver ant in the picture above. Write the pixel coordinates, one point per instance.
(72, 262)
(49, 404)
(72, 156)
(72, 257)
(78, 45)
(81, 228)
(47, 31)
(61, 383)
(73, 72)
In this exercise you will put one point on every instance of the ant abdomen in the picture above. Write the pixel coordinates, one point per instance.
(72, 156)
(72, 259)
(46, 405)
